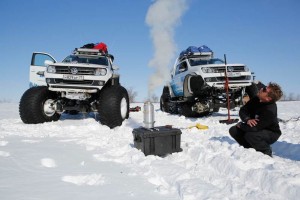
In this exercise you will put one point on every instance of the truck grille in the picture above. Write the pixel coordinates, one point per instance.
(81, 70)
(84, 82)
(235, 69)
(240, 78)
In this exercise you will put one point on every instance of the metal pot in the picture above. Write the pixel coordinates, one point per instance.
(148, 115)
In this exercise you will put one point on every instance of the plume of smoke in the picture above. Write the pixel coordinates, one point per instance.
(162, 18)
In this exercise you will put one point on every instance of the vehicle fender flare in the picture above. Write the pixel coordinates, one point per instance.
(170, 90)
(193, 84)
(187, 92)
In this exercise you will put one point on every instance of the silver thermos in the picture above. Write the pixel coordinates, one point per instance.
(148, 115)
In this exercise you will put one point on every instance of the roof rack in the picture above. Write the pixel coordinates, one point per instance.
(90, 52)
(201, 55)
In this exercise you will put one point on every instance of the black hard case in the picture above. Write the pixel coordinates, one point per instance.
(157, 141)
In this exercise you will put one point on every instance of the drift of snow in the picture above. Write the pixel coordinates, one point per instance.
(78, 158)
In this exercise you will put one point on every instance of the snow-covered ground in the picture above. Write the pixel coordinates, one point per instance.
(78, 158)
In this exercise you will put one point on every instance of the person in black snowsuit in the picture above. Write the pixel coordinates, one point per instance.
(259, 127)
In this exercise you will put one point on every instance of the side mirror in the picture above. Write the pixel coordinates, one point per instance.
(48, 62)
(114, 67)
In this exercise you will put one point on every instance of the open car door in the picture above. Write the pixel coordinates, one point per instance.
(38, 66)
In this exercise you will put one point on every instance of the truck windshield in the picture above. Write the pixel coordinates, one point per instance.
(87, 60)
(199, 61)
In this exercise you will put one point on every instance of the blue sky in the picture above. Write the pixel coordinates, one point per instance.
(263, 34)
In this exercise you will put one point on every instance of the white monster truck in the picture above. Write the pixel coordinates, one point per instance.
(197, 85)
(83, 82)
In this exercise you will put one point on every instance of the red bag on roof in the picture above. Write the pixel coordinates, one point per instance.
(101, 46)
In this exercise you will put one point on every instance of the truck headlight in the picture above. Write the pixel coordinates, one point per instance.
(208, 70)
(51, 69)
(100, 72)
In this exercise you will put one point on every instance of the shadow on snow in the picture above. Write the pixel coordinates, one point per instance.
(280, 148)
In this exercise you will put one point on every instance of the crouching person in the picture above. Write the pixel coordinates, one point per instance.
(259, 127)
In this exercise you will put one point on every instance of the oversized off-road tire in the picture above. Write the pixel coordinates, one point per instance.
(165, 104)
(162, 104)
(168, 107)
(216, 109)
(113, 106)
(172, 107)
(186, 110)
(164, 99)
(36, 106)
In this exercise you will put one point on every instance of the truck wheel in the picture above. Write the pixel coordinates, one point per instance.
(36, 106)
(168, 107)
(113, 106)
(164, 99)
(165, 104)
(186, 110)
(216, 109)
(162, 104)
(172, 107)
